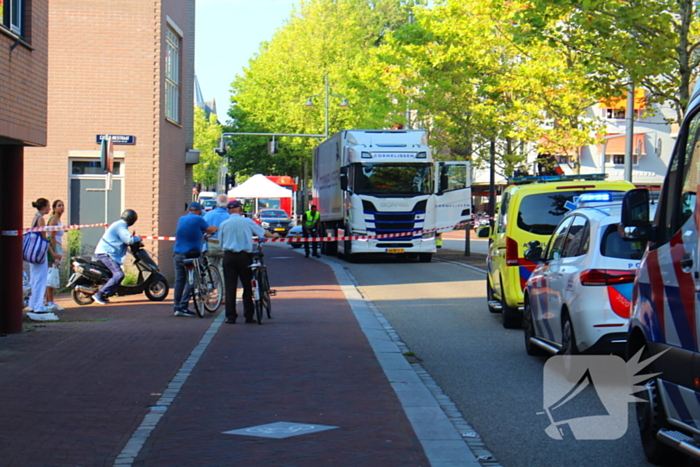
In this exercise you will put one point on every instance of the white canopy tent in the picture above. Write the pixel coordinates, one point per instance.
(259, 186)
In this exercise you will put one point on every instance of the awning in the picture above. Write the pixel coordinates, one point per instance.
(615, 144)
(640, 101)
(563, 148)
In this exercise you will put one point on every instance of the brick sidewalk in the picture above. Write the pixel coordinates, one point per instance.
(72, 393)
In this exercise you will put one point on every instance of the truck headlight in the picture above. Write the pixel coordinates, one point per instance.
(428, 235)
(265, 225)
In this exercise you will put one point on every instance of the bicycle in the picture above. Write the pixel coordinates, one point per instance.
(261, 285)
(206, 286)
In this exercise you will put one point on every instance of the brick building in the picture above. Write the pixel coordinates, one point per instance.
(118, 68)
(23, 72)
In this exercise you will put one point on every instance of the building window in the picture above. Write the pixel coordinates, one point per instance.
(621, 114)
(619, 159)
(172, 75)
(11, 14)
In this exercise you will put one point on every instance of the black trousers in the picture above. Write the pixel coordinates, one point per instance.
(310, 233)
(235, 267)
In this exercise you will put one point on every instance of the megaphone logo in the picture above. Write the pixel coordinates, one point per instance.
(599, 386)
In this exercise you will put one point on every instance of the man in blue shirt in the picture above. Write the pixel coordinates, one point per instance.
(111, 250)
(188, 241)
(212, 247)
(236, 237)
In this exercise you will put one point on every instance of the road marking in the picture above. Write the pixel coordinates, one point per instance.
(425, 404)
(131, 451)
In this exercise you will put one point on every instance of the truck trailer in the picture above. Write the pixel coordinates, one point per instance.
(385, 187)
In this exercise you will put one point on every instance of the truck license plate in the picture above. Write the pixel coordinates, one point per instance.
(281, 229)
(394, 250)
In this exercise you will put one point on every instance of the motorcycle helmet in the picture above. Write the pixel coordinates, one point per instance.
(130, 217)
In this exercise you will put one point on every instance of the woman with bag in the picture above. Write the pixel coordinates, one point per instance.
(56, 244)
(38, 271)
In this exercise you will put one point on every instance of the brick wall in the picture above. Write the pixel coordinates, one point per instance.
(106, 76)
(23, 73)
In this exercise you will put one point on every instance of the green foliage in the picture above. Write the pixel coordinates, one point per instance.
(74, 242)
(207, 134)
(130, 277)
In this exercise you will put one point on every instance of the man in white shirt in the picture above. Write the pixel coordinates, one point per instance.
(236, 237)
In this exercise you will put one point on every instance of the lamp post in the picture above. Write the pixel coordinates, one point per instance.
(327, 102)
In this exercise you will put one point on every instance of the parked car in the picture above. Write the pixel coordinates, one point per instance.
(578, 297)
(530, 209)
(295, 232)
(209, 204)
(275, 221)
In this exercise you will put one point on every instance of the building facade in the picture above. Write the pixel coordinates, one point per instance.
(23, 95)
(124, 69)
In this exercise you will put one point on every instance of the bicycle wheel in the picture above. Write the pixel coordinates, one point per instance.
(265, 293)
(211, 291)
(196, 286)
(259, 301)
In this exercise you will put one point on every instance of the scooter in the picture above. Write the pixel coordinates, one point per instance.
(89, 275)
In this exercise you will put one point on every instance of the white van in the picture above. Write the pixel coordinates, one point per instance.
(206, 195)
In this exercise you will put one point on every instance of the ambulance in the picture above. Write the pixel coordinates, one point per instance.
(664, 316)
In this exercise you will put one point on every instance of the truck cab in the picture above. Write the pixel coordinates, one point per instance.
(380, 191)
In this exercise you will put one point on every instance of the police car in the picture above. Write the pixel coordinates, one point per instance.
(578, 297)
(665, 313)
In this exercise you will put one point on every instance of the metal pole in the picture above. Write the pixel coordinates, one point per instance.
(492, 181)
(629, 140)
(328, 98)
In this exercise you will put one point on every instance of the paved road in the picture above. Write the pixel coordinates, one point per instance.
(438, 310)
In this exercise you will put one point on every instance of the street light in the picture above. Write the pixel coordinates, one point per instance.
(328, 95)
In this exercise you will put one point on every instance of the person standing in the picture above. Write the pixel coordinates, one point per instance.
(189, 237)
(39, 272)
(309, 224)
(236, 237)
(212, 246)
(56, 241)
(111, 250)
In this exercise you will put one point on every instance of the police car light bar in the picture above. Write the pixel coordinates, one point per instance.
(554, 178)
(599, 197)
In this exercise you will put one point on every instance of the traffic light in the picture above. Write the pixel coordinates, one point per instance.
(220, 151)
(230, 180)
(272, 147)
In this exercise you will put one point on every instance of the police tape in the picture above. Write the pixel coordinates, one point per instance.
(48, 228)
(343, 238)
(55, 228)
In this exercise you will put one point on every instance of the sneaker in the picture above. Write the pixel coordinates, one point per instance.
(42, 316)
(184, 312)
(53, 307)
(99, 298)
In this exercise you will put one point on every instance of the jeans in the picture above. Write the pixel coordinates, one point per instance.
(111, 285)
(183, 291)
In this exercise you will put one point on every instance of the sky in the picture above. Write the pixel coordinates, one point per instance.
(227, 35)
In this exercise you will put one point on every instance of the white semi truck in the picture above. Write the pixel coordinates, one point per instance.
(370, 183)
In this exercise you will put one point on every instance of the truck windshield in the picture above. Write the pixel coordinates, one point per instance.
(392, 179)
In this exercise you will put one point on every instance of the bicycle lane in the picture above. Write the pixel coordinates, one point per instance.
(310, 368)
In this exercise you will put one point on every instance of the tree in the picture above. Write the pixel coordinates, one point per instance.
(653, 44)
(207, 134)
(459, 67)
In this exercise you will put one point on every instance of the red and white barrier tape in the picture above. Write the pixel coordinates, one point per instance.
(53, 228)
(49, 228)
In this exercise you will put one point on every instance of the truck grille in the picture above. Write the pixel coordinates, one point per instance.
(383, 222)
